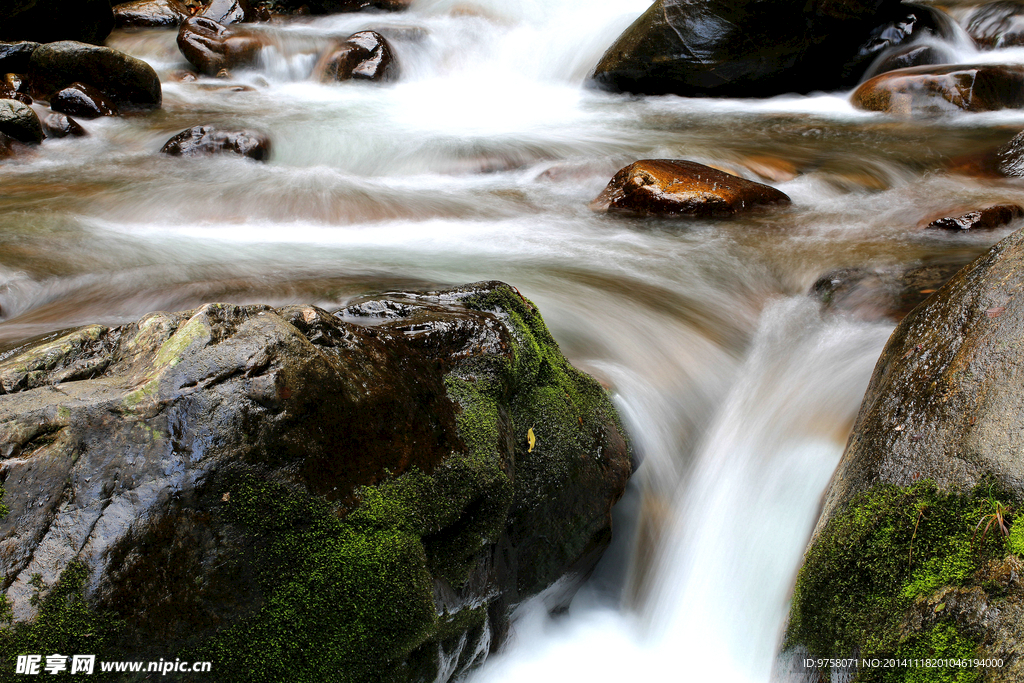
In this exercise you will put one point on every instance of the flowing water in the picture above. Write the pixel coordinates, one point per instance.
(738, 389)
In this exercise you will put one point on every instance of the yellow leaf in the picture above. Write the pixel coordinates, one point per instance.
(531, 439)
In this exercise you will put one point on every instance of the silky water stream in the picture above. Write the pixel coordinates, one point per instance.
(738, 389)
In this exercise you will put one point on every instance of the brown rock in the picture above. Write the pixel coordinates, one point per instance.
(210, 46)
(982, 219)
(11, 89)
(151, 13)
(57, 125)
(363, 56)
(85, 101)
(666, 187)
(929, 90)
(229, 11)
(206, 140)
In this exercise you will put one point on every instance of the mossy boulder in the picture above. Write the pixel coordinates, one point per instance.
(917, 553)
(296, 495)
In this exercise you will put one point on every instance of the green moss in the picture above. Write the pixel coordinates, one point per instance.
(1016, 540)
(942, 641)
(65, 624)
(343, 600)
(891, 546)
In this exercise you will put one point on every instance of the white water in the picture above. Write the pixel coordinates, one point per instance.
(479, 164)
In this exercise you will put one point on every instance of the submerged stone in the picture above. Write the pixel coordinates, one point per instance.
(247, 485)
(988, 218)
(363, 56)
(201, 141)
(930, 90)
(667, 187)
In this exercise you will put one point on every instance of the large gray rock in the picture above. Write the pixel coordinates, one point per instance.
(248, 485)
(757, 48)
(910, 557)
(131, 83)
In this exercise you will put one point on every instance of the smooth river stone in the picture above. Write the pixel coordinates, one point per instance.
(989, 218)
(666, 187)
(930, 90)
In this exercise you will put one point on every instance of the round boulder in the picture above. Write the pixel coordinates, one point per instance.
(210, 46)
(19, 122)
(129, 82)
(929, 90)
(666, 187)
(206, 140)
(85, 101)
(363, 56)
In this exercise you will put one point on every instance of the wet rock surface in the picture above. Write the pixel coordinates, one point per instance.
(151, 13)
(57, 125)
(988, 218)
(185, 482)
(200, 141)
(129, 82)
(85, 101)
(19, 122)
(910, 56)
(666, 187)
(363, 56)
(210, 46)
(14, 57)
(930, 90)
(758, 49)
(877, 294)
(929, 476)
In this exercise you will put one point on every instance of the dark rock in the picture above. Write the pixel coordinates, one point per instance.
(982, 219)
(6, 148)
(47, 21)
(210, 46)
(363, 56)
(997, 24)
(129, 82)
(229, 11)
(14, 57)
(250, 484)
(721, 48)
(898, 562)
(57, 125)
(85, 101)
(877, 294)
(206, 140)
(666, 187)
(909, 56)
(151, 13)
(930, 90)
(19, 122)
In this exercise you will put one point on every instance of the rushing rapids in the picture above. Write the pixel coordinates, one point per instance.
(480, 163)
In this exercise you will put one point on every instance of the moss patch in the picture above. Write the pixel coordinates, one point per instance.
(890, 547)
(66, 625)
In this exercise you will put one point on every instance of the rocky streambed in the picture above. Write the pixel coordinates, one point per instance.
(250, 415)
